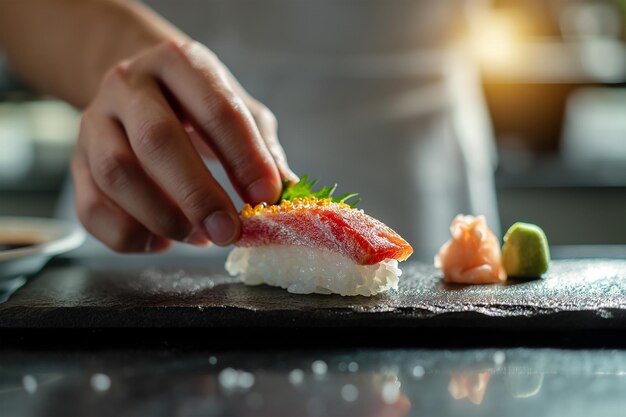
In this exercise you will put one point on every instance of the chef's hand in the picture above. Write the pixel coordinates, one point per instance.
(139, 178)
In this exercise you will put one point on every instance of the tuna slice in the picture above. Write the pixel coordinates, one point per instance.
(322, 224)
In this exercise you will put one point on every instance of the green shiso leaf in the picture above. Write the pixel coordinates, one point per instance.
(304, 188)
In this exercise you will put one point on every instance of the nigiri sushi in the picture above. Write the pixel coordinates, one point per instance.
(472, 255)
(311, 242)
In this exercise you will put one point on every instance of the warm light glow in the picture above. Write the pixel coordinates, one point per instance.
(493, 40)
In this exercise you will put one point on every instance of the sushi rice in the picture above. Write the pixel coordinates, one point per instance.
(306, 270)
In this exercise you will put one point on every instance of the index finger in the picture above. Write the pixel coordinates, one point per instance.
(194, 76)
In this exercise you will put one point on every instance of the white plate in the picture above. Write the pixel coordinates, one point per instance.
(49, 237)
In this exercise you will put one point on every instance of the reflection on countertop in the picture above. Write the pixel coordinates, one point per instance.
(512, 382)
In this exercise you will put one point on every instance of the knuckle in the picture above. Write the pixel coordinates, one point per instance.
(224, 109)
(245, 166)
(193, 200)
(136, 104)
(118, 74)
(193, 53)
(171, 49)
(277, 152)
(154, 135)
(268, 118)
(114, 170)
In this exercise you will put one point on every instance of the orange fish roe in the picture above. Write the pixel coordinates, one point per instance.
(286, 206)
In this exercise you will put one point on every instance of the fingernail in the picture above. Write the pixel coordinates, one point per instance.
(292, 175)
(197, 238)
(262, 190)
(222, 227)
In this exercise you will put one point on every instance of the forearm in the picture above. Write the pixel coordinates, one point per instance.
(64, 47)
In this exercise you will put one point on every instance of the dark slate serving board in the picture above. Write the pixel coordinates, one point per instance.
(574, 294)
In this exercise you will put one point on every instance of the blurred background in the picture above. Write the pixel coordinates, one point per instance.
(515, 109)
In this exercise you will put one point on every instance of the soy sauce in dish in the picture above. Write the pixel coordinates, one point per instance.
(19, 240)
(11, 246)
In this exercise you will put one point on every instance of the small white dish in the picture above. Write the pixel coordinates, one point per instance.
(27, 244)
